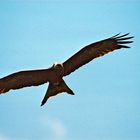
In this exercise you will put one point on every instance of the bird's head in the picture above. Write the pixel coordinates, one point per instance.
(58, 66)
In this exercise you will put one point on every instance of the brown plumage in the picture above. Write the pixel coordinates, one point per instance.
(54, 74)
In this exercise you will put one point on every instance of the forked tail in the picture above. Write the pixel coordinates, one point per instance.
(56, 89)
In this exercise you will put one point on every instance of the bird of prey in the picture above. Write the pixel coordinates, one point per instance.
(54, 75)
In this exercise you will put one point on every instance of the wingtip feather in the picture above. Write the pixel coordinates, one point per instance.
(116, 35)
(123, 46)
(122, 35)
(123, 39)
(124, 42)
(119, 37)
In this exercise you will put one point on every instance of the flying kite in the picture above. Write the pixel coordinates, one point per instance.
(54, 75)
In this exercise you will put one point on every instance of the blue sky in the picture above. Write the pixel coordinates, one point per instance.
(35, 34)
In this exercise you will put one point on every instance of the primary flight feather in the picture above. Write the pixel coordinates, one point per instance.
(54, 75)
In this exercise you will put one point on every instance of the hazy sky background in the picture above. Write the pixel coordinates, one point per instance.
(35, 34)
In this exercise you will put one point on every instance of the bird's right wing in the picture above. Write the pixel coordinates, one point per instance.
(24, 79)
(95, 50)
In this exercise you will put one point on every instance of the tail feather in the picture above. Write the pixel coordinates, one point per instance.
(56, 89)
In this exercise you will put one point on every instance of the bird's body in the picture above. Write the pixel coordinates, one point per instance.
(54, 75)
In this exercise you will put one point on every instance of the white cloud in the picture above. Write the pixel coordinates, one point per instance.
(57, 130)
(3, 137)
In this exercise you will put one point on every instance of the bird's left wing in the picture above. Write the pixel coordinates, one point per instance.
(24, 79)
(95, 50)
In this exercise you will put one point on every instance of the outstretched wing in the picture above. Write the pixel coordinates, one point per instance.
(95, 50)
(24, 79)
